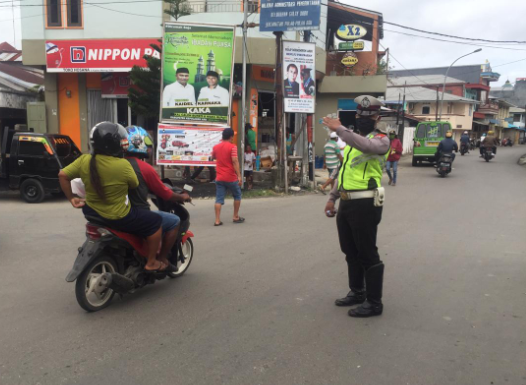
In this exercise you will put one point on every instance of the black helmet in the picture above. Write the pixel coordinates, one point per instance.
(109, 139)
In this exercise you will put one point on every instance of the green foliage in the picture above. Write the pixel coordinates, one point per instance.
(178, 8)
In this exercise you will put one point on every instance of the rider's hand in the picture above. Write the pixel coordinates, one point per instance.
(186, 197)
(331, 123)
(330, 211)
(78, 203)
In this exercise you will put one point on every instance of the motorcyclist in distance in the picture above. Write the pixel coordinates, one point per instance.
(446, 146)
(491, 142)
(464, 141)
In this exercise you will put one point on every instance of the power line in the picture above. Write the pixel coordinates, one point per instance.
(453, 36)
(125, 13)
(455, 42)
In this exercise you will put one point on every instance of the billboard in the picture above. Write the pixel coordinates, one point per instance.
(299, 77)
(285, 15)
(115, 85)
(197, 73)
(187, 145)
(118, 55)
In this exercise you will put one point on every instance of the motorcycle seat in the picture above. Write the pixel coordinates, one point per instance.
(96, 220)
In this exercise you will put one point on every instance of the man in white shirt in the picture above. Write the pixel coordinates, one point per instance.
(180, 93)
(214, 93)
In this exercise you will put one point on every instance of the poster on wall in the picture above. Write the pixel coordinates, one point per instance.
(186, 145)
(197, 73)
(299, 74)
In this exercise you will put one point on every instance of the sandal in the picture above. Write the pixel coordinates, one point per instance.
(158, 270)
(239, 220)
(218, 224)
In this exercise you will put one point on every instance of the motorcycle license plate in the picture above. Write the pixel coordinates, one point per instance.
(444, 165)
(431, 144)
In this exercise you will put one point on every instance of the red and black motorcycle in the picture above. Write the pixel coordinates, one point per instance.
(112, 261)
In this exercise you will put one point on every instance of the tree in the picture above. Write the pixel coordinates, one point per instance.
(144, 96)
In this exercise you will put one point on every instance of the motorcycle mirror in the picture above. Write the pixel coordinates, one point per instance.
(188, 188)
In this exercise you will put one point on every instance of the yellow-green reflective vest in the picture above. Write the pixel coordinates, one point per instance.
(361, 171)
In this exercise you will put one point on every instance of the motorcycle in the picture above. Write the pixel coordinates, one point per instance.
(472, 145)
(112, 261)
(444, 164)
(506, 142)
(463, 148)
(487, 154)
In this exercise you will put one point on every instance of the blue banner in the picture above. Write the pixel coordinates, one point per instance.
(295, 15)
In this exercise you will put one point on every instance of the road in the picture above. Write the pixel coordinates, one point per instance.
(256, 306)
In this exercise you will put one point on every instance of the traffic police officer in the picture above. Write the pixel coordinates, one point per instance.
(360, 209)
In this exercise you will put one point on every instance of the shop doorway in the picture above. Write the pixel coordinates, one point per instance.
(267, 118)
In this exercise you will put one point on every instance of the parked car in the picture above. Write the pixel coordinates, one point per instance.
(30, 162)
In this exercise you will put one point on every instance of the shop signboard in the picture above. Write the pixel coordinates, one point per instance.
(351, 46)
(299, 77)
(349, 32)
(349, 60)
(287, 15)
(111, 55)
(187, 145)
(197, 73)
(115, 85)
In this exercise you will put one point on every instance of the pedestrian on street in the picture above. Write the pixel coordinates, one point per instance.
(393, 158)
(333, 157)
(228, 175)
(360, 209)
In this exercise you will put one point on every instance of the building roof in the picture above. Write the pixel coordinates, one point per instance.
(502, 101)
(517, 110)
(9, 53)
(467, 73)
(421, 94)
(421, 80)
(17, 77)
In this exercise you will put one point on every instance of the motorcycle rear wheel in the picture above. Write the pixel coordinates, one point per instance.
(90, 296)
(188, 255)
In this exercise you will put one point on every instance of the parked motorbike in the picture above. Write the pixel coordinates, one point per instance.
(506, 142)
(444, 164)
(487, 154)
(463, 148)
(472, 145)
(112, 261)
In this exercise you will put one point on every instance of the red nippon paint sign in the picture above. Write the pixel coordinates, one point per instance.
(98, 55)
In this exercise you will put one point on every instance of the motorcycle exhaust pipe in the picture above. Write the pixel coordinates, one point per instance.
(118, 283)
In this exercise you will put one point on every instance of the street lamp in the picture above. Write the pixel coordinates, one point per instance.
(445, 79)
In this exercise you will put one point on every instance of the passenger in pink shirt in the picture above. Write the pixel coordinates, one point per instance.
(228, 175)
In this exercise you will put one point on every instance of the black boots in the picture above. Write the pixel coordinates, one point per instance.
(352, 298)
(374, 278)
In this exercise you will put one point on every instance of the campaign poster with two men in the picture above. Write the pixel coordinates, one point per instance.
(197, 66)
(299, 74)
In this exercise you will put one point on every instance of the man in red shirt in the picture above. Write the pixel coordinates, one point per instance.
(393, 158)
(228, 175)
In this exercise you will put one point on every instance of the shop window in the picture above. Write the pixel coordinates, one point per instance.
(74, 13)
(449, 108)
(54, 13)
(31, 148)
(426, 110)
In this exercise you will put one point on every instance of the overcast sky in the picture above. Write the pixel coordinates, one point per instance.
(484, 19)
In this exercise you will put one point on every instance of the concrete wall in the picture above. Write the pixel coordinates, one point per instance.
(139, 20)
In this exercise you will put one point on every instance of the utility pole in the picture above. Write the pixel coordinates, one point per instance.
(278, 88)
(398, 110)
(436, 107)
(401, 132)
(243, 95)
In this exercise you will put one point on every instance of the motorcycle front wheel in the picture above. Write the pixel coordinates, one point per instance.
(184, 261)
(92, 295)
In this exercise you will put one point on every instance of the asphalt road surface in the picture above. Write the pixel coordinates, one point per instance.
(256, 306)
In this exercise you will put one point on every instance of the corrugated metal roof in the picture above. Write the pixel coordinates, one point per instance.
(421, 94)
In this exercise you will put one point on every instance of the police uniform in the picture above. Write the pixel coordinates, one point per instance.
(359, 212)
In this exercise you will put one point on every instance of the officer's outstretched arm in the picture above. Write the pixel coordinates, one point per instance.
(377, 145)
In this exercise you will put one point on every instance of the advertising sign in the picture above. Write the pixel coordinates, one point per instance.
(197, 73)
(299, 74)
(186, 145)
(98, 55)
(351, 32)
(349, 59)
(115, 85)
(286, 15)
(351, 46)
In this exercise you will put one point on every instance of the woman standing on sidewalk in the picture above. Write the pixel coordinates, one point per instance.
(393, 158)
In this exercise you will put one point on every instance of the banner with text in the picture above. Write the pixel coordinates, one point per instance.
(299, 74)
(187, 145)
(118, 55)
(287, 15)
(197, 73)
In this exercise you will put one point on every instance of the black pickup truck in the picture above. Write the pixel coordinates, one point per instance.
(30, 162)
